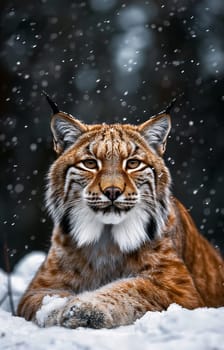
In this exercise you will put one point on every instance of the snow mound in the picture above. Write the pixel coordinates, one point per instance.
(176, 328)
(20, 278)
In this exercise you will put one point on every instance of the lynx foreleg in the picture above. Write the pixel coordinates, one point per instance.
(122, 302)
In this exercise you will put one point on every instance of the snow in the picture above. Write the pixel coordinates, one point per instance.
(176, 328)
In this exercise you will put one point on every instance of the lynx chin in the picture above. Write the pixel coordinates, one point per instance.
(122, 244)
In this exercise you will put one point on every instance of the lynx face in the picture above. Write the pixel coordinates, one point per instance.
(109, 180)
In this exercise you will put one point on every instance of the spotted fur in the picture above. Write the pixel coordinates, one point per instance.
(121, 244)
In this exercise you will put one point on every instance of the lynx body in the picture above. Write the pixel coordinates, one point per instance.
(121, 244)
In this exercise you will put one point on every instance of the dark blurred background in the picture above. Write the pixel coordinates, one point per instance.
(112, 61)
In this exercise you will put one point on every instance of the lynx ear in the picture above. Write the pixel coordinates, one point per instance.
(66, 130)
(156, 130)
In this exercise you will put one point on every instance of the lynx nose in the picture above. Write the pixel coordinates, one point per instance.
(112, 193)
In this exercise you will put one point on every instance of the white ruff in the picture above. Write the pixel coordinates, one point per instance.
(128, 231)
(131, 233)
(85, 228)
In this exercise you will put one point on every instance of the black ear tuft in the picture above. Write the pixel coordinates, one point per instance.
(53, 105)
(170, 106)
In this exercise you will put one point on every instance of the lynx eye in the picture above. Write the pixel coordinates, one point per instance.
(133, 163)
(90, 163)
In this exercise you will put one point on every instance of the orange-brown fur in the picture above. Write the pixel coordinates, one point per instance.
(106, 286)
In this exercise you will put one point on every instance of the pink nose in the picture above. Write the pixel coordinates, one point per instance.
(112, 193)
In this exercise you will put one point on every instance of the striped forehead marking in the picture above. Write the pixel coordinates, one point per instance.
(112, 143)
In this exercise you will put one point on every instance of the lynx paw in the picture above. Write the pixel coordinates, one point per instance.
(49, 313)
(85, 314)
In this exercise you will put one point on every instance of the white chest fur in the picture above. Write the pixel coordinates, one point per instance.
(129, 234)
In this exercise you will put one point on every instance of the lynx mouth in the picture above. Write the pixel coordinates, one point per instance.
(112, 214)
(112, 208)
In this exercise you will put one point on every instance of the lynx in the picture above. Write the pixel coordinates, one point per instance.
(122, 245)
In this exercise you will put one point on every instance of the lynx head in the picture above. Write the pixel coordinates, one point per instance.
(109, 180)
